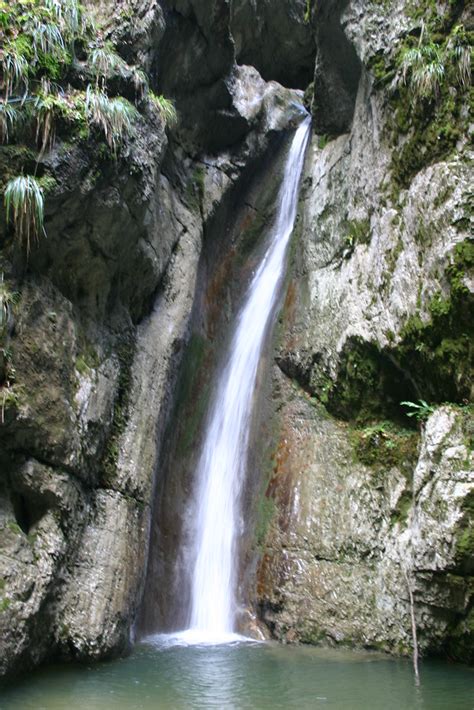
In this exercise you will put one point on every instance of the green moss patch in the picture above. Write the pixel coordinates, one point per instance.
(385, 445)
(439, 352)
(427, 89)
(120, 416)
(368, 386)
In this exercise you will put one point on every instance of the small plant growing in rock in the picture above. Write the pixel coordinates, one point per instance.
(24, 206)
(10, 117)
(459, 51)
(105, 62)
(421, 410)
(115, 117)
(423, 68)
(166, 108)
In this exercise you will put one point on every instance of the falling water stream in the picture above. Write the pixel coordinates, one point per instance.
(222, 464)
(183, 672)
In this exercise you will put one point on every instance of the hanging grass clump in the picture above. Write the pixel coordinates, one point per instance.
(24, 204)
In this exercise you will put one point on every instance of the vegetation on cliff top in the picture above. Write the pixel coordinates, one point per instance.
(428, 81)
(60, 75)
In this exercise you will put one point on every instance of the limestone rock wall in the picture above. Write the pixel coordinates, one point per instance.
(361, 503)
(101, 323)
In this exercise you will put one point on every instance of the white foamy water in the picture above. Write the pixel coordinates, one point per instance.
(222, 464)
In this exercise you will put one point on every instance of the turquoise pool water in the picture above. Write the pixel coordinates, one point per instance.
(243, 677)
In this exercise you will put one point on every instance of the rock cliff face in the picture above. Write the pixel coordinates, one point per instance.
(102, 320)
(376, 313)
(357, 507)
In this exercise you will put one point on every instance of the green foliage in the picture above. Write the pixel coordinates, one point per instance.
(384, 444)
(15, 70)
(425, 67)
(10, 117)
(421, 410)
(105, 62)
(37, 35)
(357, 231)
(427, 79)
(51, 107)
(459, 52)
(37, 101)
(438, 351)
(166, 108)
(116, 117)
(25, 208)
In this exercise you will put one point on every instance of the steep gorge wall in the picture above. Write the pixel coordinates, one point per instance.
(360, 507)
(379, 284)
(101, 323)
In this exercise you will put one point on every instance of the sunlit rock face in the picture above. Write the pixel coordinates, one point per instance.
(361, 502)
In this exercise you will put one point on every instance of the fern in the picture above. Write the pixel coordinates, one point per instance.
(24, 204)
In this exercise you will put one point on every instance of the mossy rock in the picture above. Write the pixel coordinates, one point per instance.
(439, 352)
(368, 386)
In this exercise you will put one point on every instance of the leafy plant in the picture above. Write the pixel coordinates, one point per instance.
(105, 62)
(10, 117)
(115, 116)
(423, 67)
(420, 411)
(166, 108)
(49, 106)
(24, 206)
(67, 13)
(47, 38)
(459, 51)
(15, 70)
(140, 80)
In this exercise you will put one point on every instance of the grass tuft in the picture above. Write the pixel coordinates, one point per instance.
(24, 206)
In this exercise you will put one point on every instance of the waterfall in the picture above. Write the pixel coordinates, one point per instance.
(220, 474)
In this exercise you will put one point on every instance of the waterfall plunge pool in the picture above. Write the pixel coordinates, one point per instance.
(244, 676)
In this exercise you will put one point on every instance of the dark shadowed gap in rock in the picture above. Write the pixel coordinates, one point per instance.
(337, 72)
(23, 513)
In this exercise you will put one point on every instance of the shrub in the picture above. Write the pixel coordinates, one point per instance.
(24, 206)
